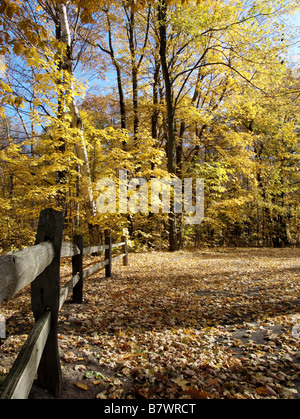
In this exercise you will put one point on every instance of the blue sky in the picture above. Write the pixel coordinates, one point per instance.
(295, 20)
(294, 59)
(294, 52)
(294, 55)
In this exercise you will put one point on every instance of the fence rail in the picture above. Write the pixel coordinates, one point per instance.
(21, 268)
(39, 266)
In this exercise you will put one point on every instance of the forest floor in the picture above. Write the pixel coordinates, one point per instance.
(222, 323)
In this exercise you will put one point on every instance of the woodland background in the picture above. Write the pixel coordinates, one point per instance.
(189, 89)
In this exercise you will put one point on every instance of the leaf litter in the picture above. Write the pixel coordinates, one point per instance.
(194, 325)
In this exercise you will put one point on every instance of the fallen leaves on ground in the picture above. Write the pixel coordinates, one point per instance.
(193, 325)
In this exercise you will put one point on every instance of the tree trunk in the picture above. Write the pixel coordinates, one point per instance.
(81, 150)
(119, 75)
(134, 82)
(155, 113)
(171, 145)
(121, 99)
(134, 74)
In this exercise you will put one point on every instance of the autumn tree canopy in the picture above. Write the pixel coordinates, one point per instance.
(185, 89)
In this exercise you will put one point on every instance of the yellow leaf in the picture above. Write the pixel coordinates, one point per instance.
(82, 386)
(97, 382)
(101, 395)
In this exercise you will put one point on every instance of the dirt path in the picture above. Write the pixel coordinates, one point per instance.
(204, 324)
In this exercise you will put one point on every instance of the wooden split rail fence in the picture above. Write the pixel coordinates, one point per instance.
(40, 266)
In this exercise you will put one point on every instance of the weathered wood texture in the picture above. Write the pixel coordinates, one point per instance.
(115, 258)
(65, 291)
(68, 250)
(125, 251)
(19, 381)
(117, 244)
(93, 269)
(94, 249)
(108, 256)
(78, 269)
(45, 295)
(21, 268)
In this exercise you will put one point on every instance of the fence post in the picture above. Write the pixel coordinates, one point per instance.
(108, 254)
(77, 268)
(45, 295)
(125, 250)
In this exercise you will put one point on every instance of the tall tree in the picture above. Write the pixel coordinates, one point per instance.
(204, 39)
(64, 36)
(171, 145)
